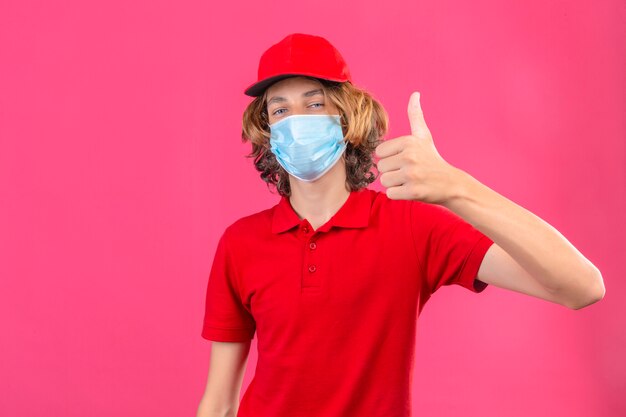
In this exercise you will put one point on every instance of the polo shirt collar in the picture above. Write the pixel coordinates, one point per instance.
(355, 212)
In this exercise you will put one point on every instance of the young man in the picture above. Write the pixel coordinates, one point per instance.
(334, 276)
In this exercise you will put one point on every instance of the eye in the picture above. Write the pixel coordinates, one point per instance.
(321, 104)
(276, 112)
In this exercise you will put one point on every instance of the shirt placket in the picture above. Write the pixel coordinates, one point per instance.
(310, 267)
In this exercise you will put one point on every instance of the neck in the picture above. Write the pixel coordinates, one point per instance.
(319, 200)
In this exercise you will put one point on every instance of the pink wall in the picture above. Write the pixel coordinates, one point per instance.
(121, 164)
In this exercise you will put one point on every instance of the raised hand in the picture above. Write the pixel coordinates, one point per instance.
(410, 166)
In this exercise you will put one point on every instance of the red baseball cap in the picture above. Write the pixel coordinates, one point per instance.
(299, 54)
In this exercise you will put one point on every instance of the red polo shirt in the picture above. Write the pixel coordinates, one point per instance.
(335, 309)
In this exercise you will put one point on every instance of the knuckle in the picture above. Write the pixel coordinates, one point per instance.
(383, 179)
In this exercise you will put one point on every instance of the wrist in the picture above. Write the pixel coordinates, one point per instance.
(460, 187)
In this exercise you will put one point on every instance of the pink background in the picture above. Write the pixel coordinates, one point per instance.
(121, 163)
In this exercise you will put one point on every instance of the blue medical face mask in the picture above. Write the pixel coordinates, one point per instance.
(307, 145)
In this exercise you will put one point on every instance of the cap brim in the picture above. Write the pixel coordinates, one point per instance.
(258, 88)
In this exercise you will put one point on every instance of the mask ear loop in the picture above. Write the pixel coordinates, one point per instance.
(341, 122)
(264, 118)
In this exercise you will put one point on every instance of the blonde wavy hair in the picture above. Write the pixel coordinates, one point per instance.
(364, 123)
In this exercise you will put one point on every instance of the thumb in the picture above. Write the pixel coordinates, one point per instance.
(416, 116)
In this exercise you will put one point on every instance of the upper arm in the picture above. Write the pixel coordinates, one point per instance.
(230, 327)
(226, 370)
(448, 248)
(226, 317)
(500, 269)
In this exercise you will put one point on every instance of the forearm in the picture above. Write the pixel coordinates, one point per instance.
(205, 409)
(534, 244)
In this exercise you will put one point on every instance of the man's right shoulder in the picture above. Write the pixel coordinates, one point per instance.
(250, 225)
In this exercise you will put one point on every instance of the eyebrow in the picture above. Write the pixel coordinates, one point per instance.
(277, 99)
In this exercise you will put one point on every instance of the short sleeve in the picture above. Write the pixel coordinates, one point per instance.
(226, 319)
(449, 249)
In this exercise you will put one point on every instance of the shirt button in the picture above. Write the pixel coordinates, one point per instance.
(312, 268)
(312, 245)
(305, 229)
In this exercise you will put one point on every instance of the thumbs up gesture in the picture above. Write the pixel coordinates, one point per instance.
(410, 166)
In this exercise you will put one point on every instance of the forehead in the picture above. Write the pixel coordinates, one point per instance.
(292, 86)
